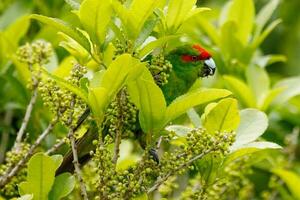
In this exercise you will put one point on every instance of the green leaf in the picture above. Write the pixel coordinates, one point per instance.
(194, 98)
(264, 15)
(97, 78)
(252, 125)
(178, 10)
(125, 16)
(290, 88)
(145, 31)
(15, 11)
(269, 98)
(259, 82)
(291, 179)
(264, 61)
(140, 12)
(73, 4)
(179, 129)
(259, 39)
(239, 153)
(26, 197)
(16, 31)
(230, 45)
(261, 145)
(150, 100)
(194, 117)
(208, 167)
(242, 11)
(95, 16)
(74, 48)
(124, 68)
(65, 67)
(57, 160)
(63, 185)
(65, 28)
(127, 157)
(143, 196)
(147, 49)
(224, 116)
(240, 90)
(40, 176)
(98, 100)
(208, 28)
(62, 82)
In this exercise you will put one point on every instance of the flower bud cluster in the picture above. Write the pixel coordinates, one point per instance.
(199, 141)
(121, 184)
(121, 115)
(10, 190)
(160, 69)
(38, 52)
(61, 101)
(232, 183)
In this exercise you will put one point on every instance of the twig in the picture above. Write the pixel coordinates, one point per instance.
(12, 172)
(74, 150)
(118, 138)
(5, 135)
(80, 121)
(163, 179)
(77, 165)
(26, 118)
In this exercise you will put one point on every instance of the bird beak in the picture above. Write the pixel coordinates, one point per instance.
(209, 67)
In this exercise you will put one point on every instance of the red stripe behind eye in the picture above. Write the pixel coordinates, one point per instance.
(203, 53)
(187, 58)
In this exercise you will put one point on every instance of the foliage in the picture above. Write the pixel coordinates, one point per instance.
(96, 97)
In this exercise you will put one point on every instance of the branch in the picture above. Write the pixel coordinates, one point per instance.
(80, 121)
(5, 134)
(26, 118)
(13, 171)
(77, 165)
(163, 179)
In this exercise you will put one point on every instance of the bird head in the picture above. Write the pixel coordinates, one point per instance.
(194, 59)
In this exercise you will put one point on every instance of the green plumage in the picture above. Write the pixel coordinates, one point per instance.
(183, 75)
(180, 79)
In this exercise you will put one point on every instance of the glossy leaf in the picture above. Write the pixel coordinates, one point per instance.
(291, 179)
(65, 28)
(240, 90)
(264, 61)
(25, 197)
(242, 11)
(258, 40)
(177, 12)
(259, 82)
(265, 14)
(140, 12)
(65, 67)
(224, 116)
(150, 100)
(179, 129)
(252, 125)
(40, 177)
(290, 88)
(63, 185)
(194, 98)
(98, 99)
(95, 16)
(147, 49)
(124, 68)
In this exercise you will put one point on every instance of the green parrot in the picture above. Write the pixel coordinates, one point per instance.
(189, 62)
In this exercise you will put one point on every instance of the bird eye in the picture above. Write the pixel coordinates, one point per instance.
(194, 58)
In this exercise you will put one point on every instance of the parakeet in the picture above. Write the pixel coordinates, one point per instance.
(189, 62)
